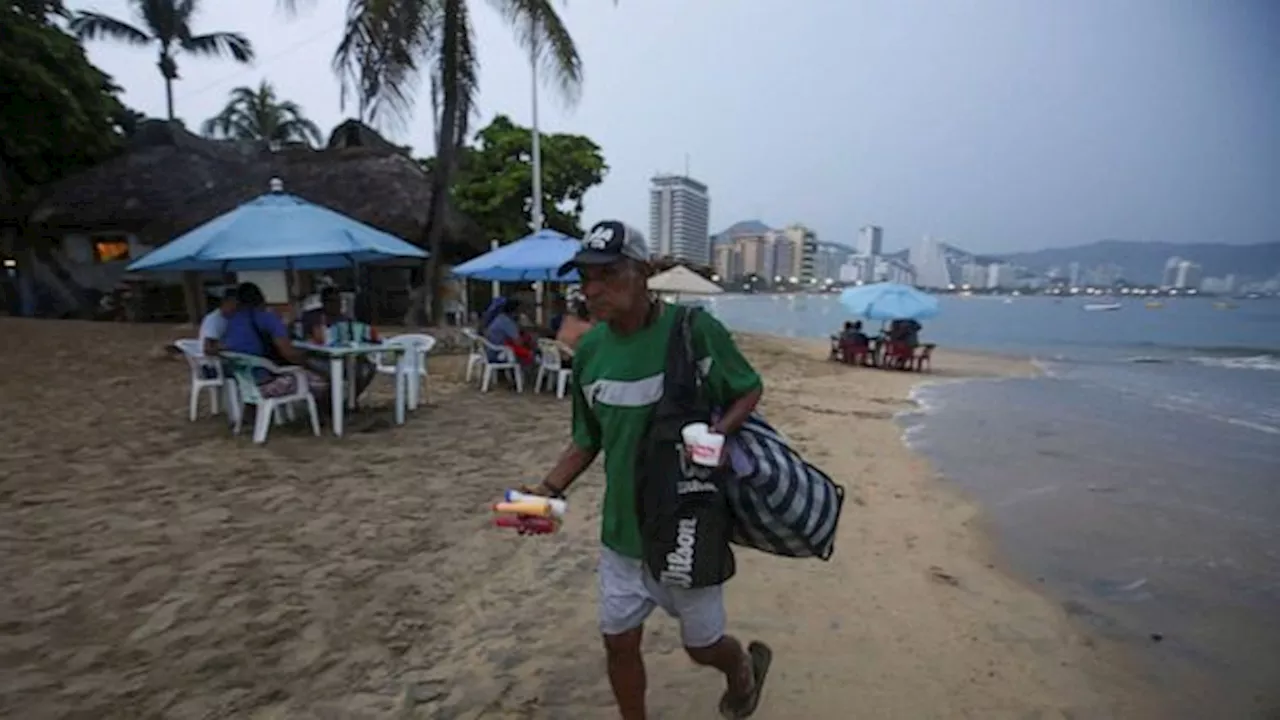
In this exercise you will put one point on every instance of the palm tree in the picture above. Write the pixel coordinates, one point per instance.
(387, 43)
(258, 114)
(166, 23)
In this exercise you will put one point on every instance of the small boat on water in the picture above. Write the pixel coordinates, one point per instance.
(1224, 306)
(1102, 307)
(1154, 304)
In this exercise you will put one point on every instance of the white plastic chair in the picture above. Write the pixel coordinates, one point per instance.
(193, 351)
(550, 366)
(505, 362)
(410, 366)
(241, 367)
(475, 356)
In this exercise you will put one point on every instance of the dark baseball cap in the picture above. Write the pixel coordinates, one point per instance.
(608, 242)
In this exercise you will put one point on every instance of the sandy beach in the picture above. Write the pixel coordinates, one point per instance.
(154, 567)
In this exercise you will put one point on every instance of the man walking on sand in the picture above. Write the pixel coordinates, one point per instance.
(617, 379)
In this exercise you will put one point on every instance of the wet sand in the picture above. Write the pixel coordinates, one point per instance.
(154, 567)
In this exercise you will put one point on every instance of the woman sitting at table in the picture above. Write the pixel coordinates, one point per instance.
(504, 331)
(254, 330)
(330, 323)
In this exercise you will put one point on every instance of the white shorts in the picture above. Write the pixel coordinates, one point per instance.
(628, 595)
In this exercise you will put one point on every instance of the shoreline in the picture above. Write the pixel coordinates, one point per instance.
(1111, 684)
(168, 568)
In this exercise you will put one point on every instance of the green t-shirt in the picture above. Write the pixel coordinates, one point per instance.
(617, 381)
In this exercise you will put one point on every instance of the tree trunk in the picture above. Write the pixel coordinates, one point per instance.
(168, 97)
(446, 157)
(193, 296)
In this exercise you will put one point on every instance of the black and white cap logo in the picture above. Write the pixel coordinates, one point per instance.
(600, 237)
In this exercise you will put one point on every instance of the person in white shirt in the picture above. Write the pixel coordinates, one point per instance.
(214, 324)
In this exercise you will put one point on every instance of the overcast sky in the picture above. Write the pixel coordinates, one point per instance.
(997, 125)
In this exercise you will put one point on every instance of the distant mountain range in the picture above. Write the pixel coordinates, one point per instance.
(1143, 262)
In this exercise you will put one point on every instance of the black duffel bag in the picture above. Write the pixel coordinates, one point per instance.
(685, 523)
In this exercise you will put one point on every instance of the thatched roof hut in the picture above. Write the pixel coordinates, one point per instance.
(169, 181)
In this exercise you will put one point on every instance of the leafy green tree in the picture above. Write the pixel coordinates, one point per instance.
(388, 44)
(259, 114)
(495, 179)
(58, 113)
(166, 24)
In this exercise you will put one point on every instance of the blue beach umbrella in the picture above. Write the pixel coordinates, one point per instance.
(533, 257)
(889, 301)
(277, 231)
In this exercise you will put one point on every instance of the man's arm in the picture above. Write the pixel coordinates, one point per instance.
(738, 412)
(275, 327)
(573, 462)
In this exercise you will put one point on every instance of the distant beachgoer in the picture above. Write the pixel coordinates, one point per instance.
(560, 311)
(852, 343)
(491, 312)
(318, 324)
(911, 333)
(254, 330)
(576, 323)
(504, 331)
(214, 325)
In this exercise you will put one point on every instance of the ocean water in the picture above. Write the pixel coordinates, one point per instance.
(1138, 479)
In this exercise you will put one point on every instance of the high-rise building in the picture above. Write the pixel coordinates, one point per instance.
(930, 261)
(870, 240)
(1000, 276)
(1187, 276)
(1074, 275)
(679, 211)
(828, 259)
(973, 275)
(1169, 278)
(804, 248)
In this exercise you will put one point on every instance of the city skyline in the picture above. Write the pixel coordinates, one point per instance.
(1153, 117)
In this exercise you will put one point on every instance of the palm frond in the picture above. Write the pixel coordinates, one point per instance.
(220, 125)
(299, 129)
(539, 29)
(166, 19)
(220, 44)
(377, 59)
(91, 26)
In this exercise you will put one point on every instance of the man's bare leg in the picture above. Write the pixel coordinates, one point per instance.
(626, 672)
(727, 656)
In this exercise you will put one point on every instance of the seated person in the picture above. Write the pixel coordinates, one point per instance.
(557, 317)
(853, 341)
(319, 325)
(572, 328)
(503, 330)
(491, 312)
(214, 325)
(911, 333)
(254, 330)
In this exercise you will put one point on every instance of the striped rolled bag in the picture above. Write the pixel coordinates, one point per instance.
(781, 504)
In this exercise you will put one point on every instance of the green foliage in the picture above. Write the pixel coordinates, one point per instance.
(58, 113)
(495, 179)
(260, 114)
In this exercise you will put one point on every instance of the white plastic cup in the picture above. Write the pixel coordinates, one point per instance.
(703, 446)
